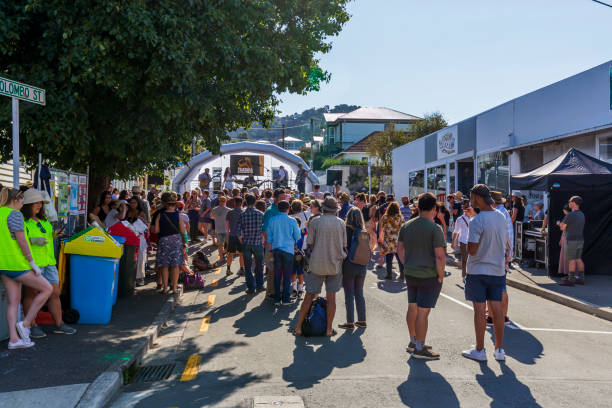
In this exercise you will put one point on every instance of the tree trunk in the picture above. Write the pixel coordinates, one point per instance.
(97, 184)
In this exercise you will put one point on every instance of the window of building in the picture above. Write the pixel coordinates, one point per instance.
(332, 135)
(417, 183)
(605, 148)
(436, 181)
(493, 170)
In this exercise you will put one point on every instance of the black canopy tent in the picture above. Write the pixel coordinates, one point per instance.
(576, 173)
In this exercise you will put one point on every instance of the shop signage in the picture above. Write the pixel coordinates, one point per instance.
(243, 165)
(447, 142)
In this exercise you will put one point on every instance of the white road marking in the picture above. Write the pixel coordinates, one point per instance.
(514, 325)
(452, 299)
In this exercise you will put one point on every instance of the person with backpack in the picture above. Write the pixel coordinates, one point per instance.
(354, 269)
(327, 239)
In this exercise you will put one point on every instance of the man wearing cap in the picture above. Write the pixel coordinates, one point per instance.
(486, 275)
(327, 239)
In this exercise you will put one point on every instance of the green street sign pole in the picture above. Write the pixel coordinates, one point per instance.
(28, 93)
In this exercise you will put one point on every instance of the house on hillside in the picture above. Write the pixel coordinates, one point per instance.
(343, 130)
(359, 150)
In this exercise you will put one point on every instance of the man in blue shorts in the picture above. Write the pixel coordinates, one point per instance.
(486, 276)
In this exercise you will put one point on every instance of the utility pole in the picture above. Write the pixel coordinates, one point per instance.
(283, 136)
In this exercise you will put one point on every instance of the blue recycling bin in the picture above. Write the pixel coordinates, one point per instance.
(93, 286)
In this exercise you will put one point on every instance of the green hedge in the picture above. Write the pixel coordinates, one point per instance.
(342, 162)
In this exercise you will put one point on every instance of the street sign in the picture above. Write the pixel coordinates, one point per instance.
(21, 91)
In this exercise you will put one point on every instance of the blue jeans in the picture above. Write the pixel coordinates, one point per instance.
(353, 292)
(249, 252)
(283, 269)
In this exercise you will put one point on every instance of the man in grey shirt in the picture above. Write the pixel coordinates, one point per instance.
(486, 275)
(573, 225)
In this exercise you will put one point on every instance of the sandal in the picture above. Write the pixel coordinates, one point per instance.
(361, 325)
(346, 326)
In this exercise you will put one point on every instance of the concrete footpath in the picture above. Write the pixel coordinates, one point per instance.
(594, 298)
(58, 370)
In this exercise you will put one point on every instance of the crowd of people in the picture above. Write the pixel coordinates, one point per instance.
(290, 244)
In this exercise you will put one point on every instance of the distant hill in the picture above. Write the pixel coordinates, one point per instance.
(296, 125)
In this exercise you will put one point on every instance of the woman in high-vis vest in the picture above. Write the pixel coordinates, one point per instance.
(40, 233)
(18, 267)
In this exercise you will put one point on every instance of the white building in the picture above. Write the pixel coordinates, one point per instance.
(511, 138)
(345, 129)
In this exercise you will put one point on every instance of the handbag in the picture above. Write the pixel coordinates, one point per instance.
(175, 228)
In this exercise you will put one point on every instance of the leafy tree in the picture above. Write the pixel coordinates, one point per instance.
(383, 143)
(130, 83)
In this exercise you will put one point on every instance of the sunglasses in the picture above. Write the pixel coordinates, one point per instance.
(42, 229)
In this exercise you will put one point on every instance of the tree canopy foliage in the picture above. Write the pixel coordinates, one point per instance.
(381, 144)
(130, 83)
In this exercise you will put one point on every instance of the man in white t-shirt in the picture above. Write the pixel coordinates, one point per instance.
(486, 274)
(281, 179)
(460, 234)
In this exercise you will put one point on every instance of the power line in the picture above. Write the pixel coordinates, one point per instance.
(602, 3)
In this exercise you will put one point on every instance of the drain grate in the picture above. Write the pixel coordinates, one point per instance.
(153, 373)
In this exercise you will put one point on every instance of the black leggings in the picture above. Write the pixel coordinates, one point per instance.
(389, 259)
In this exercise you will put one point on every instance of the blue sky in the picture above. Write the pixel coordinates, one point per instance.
(459, 57)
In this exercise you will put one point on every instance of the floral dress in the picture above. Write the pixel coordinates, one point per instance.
(391, 227)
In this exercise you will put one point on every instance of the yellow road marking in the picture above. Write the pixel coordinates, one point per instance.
(214, 283)
(211, 299)
(217, 271)
(205, 324)
(192, 368)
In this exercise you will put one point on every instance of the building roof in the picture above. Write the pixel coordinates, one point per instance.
(290, 139)
(362, 145)
(371, 114)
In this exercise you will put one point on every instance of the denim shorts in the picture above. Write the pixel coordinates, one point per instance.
(314, 282)
(14, 274)
(222, 237)
(423, 291)
(480, 288)
(51, 274)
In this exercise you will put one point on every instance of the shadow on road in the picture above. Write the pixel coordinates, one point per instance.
(311, 364)
(210, 387)
(263, 318)
(520, 345)
(413, 391)
(505, 390)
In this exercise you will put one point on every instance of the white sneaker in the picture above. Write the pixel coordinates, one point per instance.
(24, 332)
(475, 354)
(500, 354)
(19, 344)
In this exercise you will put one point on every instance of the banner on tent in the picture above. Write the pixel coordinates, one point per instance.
(247, 165)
